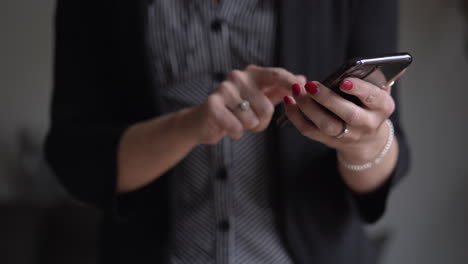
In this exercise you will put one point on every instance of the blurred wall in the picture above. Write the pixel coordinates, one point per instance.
(25, 85)
(428, 213)
(429, 210)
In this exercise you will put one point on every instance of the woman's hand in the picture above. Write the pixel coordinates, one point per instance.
(221, 114)
(367, 129)
(149, 149)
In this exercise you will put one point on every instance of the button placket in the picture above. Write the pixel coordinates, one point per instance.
(221, 64)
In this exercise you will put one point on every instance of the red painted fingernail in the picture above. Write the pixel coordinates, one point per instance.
(296, 89)
(311, 87)
(347, 85)
(287, 100)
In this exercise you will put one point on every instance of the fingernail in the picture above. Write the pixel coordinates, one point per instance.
(296, 89)
(287, 100)
(311, 87)
(347, 85)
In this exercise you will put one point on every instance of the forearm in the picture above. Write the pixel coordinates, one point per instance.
(149, 149)
(370, 179)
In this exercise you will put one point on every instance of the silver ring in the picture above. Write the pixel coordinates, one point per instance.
(343, 132)
(244, 105)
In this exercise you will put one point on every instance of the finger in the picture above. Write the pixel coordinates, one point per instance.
(324, 120)
(261, 106)
(307, 128)
(276, 94)
(230, 123)
(232, 99)
(301, 79)
(349, 112)
(247, 89)
(266, 77)
(224, 118)
(370, 95)
(259, 102)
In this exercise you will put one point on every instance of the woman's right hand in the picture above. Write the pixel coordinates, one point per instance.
(221, 114)
(149, 149)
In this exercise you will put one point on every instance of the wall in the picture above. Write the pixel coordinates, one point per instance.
(429, 210)
(25, 85)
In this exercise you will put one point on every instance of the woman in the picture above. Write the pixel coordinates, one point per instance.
(152, 123)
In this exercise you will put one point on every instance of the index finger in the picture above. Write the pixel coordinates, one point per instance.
(266, 77)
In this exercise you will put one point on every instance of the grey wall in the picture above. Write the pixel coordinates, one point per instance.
(25, 85)
(429, 210)
(427, 213)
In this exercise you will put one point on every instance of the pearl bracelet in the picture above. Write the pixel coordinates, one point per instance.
(378, 159)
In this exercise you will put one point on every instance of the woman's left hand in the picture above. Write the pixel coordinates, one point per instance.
(366, 126)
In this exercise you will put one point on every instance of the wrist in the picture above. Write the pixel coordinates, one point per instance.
(185, 124)
(367, 150)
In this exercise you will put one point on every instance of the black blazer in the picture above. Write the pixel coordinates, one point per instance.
(102, 86)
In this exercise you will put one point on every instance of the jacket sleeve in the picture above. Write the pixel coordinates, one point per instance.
(90, 110)
(376, 22)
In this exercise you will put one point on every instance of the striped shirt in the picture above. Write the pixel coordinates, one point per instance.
(222, 203)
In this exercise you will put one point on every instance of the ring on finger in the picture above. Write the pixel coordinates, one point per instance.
(343, 132)
(244, 105)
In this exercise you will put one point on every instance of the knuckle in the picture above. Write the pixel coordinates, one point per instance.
(251, 123)
(238, 133)
(265, 111)
(223, 86)
(371, 125)
(352, 117)
(227, 88)
(212, 101)
(234, 128)
(257, 128)
(235, 75)
(329, 127)
(278, 72)
(370, 98)
(262, 126)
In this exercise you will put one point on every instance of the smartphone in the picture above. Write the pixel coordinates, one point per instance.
(382, 71)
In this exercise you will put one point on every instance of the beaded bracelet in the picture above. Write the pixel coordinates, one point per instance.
(379, 158)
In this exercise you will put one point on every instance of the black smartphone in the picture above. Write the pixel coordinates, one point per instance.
(382, 71)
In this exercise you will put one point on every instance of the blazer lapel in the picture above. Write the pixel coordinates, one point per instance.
(293, 53)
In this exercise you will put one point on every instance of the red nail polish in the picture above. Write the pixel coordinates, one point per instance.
(296, 89)
(347, 85)
(311, 87)
(287, 100)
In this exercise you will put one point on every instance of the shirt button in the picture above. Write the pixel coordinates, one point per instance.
(216, 25)
(222, 174)
(224, 225)
(219, 76)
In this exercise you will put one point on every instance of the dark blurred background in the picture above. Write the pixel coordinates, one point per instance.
(427, 218)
